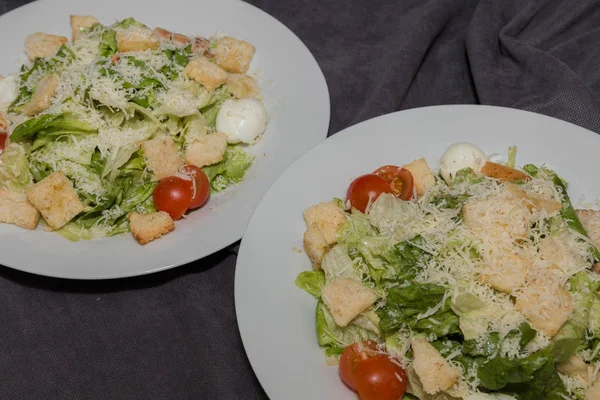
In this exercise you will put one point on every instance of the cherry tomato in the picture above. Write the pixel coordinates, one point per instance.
(380, 378)
(366, 189)
(400, 180)
(350, 358)
(3, 137)
(200, 186)
(173, 195)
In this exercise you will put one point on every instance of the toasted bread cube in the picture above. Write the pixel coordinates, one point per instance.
(209, 75)
(162, 157)
(42, 97)
(136, 39)
(81, 21)
(315, 246)
(504, 218)
(43, 45)
(593, 392)
(162, 34)
(575, 367)
(346, 299)
(533, 202)
(233, 55)
(3, 125)
(148, 227)
(327, 218)
(504, 270)
(590, 219)
(423, 177)
(55, 198)
(503, 173)
(545, 304)
(180, 40)
(434, 372)
(209, 149)
(15, 209)
(243, 86)
(200, 45)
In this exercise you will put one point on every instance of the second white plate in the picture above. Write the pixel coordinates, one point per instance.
(277, 319)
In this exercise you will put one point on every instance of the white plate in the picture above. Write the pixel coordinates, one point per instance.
(295, 94)
(276, 319)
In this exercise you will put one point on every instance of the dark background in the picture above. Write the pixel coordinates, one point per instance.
(173, 335)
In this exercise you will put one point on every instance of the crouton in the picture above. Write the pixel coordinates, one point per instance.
(15, 209)
(233, 55)
(148, 227)
(505, 218)
(55, 198)
(576, 368)
(504, 270)
(423, 178)
(243, 86)
(200, 45)
(590, 219)
(434, 372)
(162, 157)
(209, 75)
(42, 97)
(503, 173)
(43, 45)
(544, 302)
(346, 299)
(327, 218)
(180, 40)
(209, 149)
(593, 392)
(162, 34)
(533, 202)
(136, 39)
(315, 246)
(81, 21)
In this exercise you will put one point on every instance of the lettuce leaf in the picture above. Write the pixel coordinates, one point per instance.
(311, 281)
(230, 170)
(335, 339)
(422, 307)
(14, 169)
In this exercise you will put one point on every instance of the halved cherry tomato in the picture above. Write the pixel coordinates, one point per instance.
(400, 180)
(380, 378)
(3, 137)
(350, 358)
(366, 189)
(200, 186)
(173, 195)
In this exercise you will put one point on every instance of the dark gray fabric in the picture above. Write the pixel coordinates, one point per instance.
(173, 335)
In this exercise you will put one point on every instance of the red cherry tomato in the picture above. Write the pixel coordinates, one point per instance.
(200, 186)
(400, 180)
(173, 195)
(350, 358)
(380, 378)
(365, 190)
(3, 137)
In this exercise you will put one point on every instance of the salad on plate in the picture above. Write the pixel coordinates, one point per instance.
(124, 128)
(476, 281)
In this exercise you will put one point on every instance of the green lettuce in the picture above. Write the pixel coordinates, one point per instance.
(14, 170)
(335, 339)
(50, 125)
(311, 281)
(212, 107)
(230, 170)
(108, 45)
(567, 211)
(572, 334)
(422, 307)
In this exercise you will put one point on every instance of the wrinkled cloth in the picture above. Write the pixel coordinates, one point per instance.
(173, 335)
